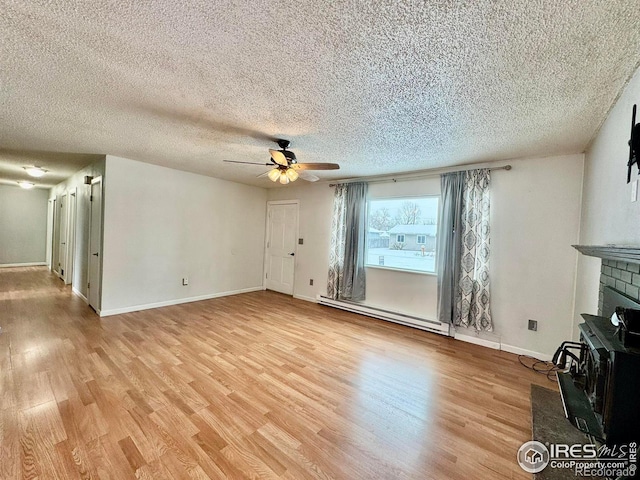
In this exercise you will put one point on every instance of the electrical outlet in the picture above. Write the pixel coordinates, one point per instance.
(311, 281)
(185, 281)
(533, 325)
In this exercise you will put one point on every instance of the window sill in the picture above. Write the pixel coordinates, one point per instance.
(402, 270)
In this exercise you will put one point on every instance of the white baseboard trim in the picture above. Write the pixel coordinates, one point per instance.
(148, 306)
(497, 345)
(78, 293)
(477, 341)
(305, 298)
(522, 351)
(387, 315)
(28, 264)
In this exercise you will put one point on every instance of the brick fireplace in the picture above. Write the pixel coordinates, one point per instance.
(619, 269)
(621, 275)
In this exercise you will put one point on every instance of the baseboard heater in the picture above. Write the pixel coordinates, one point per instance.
(389, 316)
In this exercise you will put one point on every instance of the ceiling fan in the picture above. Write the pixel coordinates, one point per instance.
(286, 167)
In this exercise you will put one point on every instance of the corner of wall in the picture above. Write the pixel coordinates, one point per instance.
(574, 314)
(608, 216)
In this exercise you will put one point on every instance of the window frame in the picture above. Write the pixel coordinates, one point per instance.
(438, 197)
(418, 242)
(398, 235)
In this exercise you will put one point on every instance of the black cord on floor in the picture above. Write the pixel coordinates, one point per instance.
(542, 367)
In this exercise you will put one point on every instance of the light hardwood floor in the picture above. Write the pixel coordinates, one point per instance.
(251, 386)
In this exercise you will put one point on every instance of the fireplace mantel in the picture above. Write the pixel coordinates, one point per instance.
(620, 253)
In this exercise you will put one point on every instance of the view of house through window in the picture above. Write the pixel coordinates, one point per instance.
(401, 233)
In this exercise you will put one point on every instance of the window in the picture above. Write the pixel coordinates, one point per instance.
(401, 233)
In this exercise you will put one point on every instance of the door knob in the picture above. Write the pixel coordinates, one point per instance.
(292, 254)
(95, 254)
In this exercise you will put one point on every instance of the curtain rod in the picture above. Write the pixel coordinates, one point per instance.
(408, 176)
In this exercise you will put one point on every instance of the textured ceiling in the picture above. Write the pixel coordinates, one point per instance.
(380, 86)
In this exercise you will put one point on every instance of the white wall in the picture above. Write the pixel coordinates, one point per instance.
(83, 217)
(535, 220)
(608, 215)
(23, 225)
(161, 225)
(535, 215)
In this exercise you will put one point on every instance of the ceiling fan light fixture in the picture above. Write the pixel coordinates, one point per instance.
(292, 174)
(274, 175)
(34, 171)
(26, 185)
(285, 167)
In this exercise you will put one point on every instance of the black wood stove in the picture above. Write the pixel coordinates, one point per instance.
(601, 389)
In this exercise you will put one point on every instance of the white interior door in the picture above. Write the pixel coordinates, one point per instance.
(63, 233)
(49, 251)
(95, 244)
(55, 241)
(282, 234)
(71, 238)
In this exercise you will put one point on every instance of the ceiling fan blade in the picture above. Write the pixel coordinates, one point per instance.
(309, 177)
(279, 157)
(315, 166)
(248, 163)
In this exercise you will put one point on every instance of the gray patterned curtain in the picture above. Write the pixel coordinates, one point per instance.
(336, 248)
(473, 298)
(346, 279)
